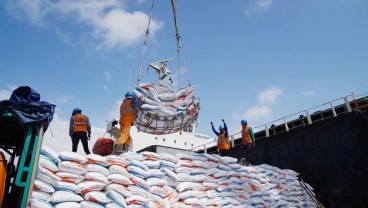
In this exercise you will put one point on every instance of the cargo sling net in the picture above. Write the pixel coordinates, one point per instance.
(165, 110)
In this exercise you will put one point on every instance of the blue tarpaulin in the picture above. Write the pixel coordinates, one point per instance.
(25, 104)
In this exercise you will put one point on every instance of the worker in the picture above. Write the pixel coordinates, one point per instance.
(128, 111)
(223, 141)
(248, 141)
(79, 129)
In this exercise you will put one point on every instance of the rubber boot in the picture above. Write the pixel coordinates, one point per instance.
(118, 149)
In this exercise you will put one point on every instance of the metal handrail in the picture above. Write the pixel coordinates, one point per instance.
(265, 127)
(310, 193)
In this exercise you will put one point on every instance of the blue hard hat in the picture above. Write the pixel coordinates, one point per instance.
(76, 109)
(129, 94)
(244, 122)
(221, 127)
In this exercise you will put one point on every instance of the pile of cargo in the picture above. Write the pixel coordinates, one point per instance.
(148, 179)
(165, 110)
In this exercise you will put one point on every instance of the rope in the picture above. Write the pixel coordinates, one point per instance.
(151, 123)
(145, 43)
(178, 43)
(185, 67)
(176, 24)
(179, 67)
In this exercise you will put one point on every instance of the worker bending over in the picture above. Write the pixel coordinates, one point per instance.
(128, 111)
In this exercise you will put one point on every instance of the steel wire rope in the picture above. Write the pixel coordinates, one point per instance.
(180, 55)
(185, 68)
(179, 48)
(145, 43)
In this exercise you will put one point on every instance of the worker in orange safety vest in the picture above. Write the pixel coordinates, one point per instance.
(223, 141)
(128, 111)
(79, 129)
(248, 141)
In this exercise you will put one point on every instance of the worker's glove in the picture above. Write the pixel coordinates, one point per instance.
(89, 136)
(211, 123)
(223, 120)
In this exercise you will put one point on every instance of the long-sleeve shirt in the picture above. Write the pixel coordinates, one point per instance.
(71, 125)
(217, 133)
(252, 135)
(136, 102)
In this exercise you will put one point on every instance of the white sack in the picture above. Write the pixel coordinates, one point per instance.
(72, 156)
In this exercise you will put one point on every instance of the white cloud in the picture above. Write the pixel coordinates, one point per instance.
(32, 11)
(63, 99)
(270, 96)
(307, 93)
(258, 6)
(115, 113)
(5, 94)
(257, 113)
(110, 24)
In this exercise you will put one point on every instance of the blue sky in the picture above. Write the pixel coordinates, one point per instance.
(254, 59)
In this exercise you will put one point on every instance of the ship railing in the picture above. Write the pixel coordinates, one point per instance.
(306, 117)
(309, 191)
(201, 136)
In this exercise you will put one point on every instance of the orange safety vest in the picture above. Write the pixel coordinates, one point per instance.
(80, 123)
(223, 143)
(127, 110)
(246, 138)
(3, 174)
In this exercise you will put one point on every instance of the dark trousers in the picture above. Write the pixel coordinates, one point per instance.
(224, 153)
(248, 150)
(80, 135)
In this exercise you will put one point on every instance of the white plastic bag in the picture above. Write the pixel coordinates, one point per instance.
(118, 160)
(87, 186)
(66, 186)
(41, 196)
(72, 156)
(122, 190)
(65, 196)
(96, 176)
(48, 163)
(50, 153)
(40, 185)
(119, 179)
(68, 205)
(96, 196)
(70, 177)
(97, 168)
(97, 159)
(37, 203)
(117, 198)
(73, 167)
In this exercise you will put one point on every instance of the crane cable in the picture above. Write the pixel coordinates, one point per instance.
(145, 43)
(178, 43)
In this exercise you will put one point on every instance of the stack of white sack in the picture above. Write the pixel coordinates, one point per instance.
(165, 110)
(151, 180)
